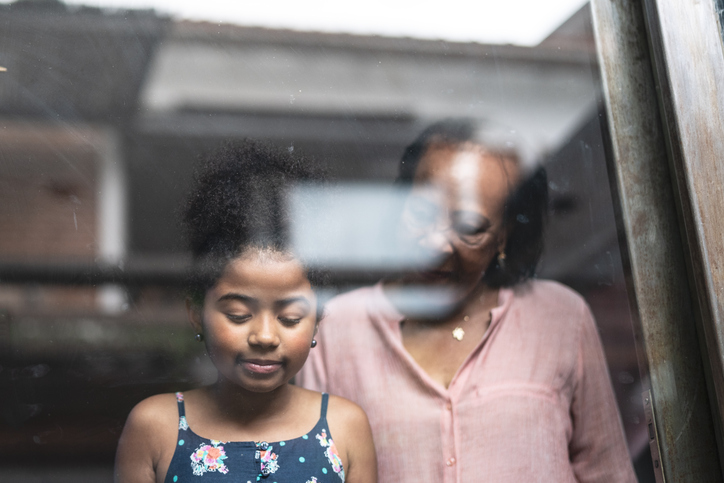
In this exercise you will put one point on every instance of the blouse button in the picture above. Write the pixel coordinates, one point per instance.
(448, 406)
(450, 462)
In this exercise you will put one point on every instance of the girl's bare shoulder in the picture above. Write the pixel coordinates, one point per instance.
(352, 434)
(159, 406)
(148, 440)
(344, 412)
(339, 409)
(156, 416)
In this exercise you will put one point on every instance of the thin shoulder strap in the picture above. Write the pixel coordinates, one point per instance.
(325, 400)
(180, 401)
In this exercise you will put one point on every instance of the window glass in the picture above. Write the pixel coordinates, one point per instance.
(104, 113)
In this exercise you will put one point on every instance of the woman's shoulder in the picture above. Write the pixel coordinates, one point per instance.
(564, 310)
(548, 293)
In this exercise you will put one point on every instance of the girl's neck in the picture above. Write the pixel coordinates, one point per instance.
(245, 406)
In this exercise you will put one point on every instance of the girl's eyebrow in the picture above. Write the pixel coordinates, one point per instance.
(291, 300)
(237, 296)
(251, 300)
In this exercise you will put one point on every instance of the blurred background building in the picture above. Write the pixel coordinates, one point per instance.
(103, 114)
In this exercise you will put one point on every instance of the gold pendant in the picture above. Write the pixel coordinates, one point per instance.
(458, 333)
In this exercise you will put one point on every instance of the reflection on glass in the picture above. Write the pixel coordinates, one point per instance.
(349, 227)
(102, 116)
(488, 351)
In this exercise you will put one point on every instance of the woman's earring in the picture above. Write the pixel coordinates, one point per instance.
(501, 259)
(314, 343)
(199, 337)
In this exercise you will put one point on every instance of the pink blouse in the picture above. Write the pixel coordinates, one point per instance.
(532, 402)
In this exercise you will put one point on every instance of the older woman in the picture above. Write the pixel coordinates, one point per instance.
(487, 375)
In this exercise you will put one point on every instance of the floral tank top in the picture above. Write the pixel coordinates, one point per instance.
(311, 458)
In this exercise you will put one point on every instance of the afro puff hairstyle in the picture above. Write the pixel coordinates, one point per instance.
(238, 202)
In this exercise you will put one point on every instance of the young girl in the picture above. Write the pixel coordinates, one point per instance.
(253, 306)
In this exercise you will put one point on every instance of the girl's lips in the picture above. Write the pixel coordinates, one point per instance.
(261, 366)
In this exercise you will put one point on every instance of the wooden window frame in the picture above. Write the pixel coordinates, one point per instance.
(661, 62)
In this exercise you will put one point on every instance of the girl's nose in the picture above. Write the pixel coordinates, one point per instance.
(264, 334)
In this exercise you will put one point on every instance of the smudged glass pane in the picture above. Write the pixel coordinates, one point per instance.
(106, 109)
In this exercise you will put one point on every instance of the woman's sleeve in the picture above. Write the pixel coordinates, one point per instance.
(598, 449)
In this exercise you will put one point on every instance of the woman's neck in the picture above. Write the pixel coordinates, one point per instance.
(482, 299)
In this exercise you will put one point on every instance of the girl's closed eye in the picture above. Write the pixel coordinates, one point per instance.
(293, 310)
(290, 320)
(236, 307)
(238, 318)
(295, 314)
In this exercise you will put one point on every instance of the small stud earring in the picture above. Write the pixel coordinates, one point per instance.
(314, 343)
(501, 259)
(199, 337)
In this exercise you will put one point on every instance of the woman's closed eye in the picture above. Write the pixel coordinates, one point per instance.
(470, 223)
(469, 229)
(421, 212)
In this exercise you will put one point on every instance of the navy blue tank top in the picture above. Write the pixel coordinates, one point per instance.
(311, 458)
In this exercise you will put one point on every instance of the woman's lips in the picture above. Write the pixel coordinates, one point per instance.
(436, 275)
(258, 366)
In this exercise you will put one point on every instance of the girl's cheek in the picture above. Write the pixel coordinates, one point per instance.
(298, 339)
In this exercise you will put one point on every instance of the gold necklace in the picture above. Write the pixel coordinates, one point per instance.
(458, 333)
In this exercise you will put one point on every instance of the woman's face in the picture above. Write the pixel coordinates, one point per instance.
(258, 320)
(454, 214)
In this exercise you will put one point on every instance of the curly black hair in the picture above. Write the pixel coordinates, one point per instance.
(239, 202)
(525, 210)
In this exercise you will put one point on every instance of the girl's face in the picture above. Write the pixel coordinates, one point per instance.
(259, 320)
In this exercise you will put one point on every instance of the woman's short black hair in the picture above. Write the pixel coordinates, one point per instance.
(525, 210)
(239, 202)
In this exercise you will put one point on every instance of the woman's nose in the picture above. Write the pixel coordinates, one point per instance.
(263, 333)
